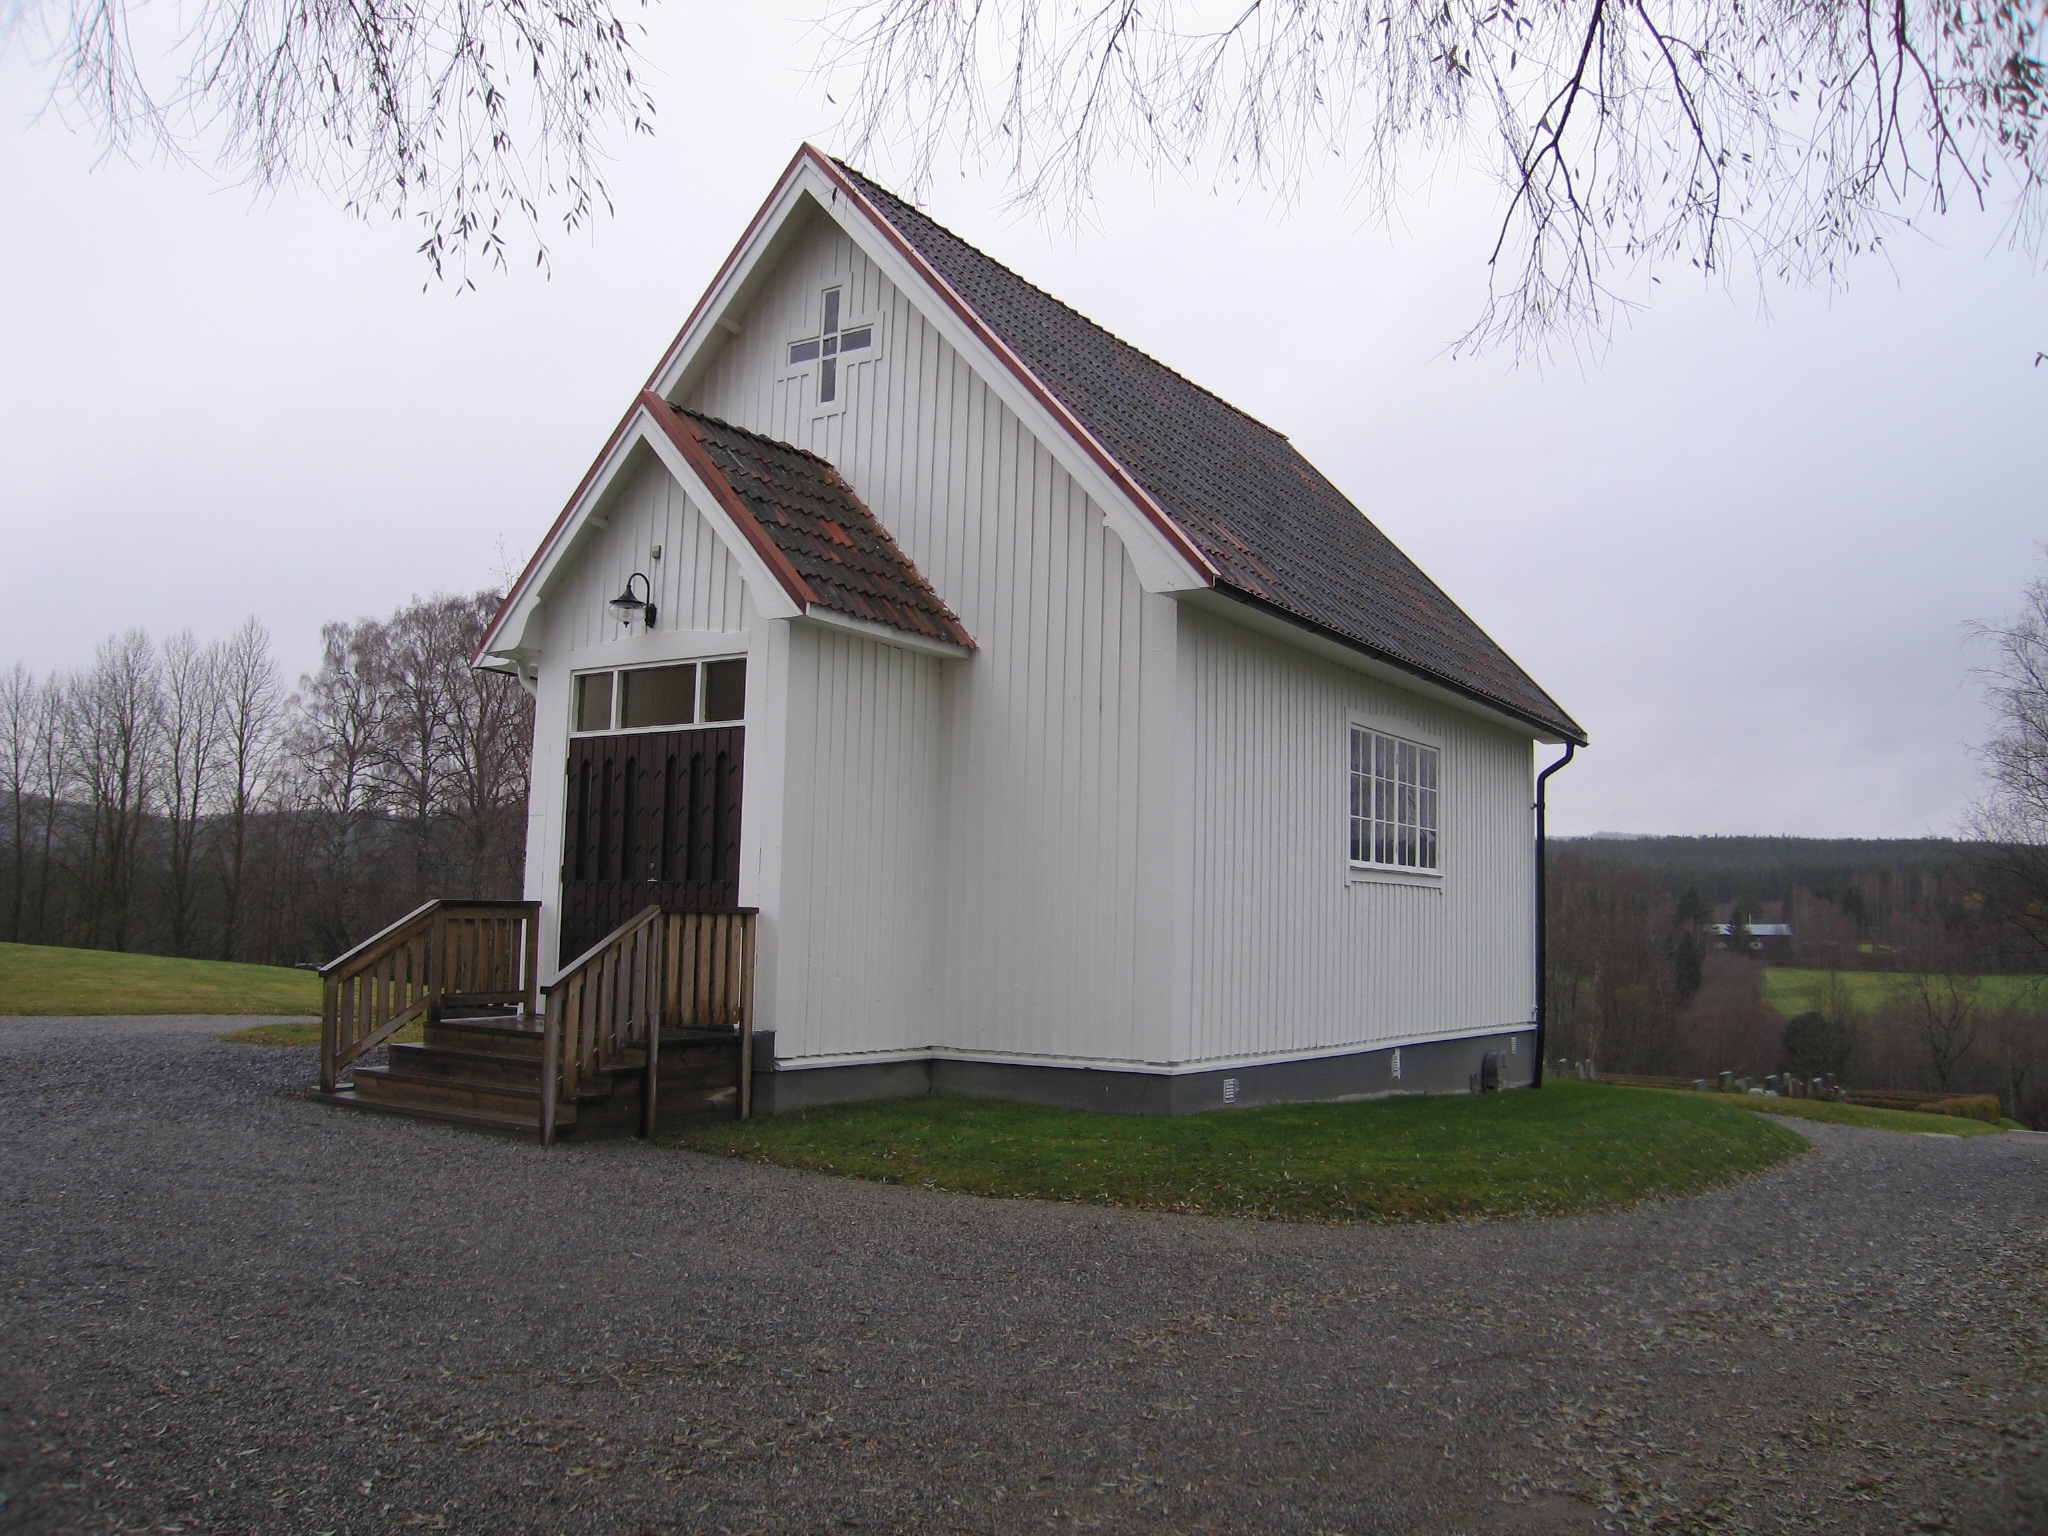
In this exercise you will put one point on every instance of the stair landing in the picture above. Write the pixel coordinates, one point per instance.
(483, 1072)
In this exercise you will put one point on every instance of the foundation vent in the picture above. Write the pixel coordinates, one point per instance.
(1230, 1090)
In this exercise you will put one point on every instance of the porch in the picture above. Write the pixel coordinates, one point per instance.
(648, 1031)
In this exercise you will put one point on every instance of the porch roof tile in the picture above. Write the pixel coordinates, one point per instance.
(836, 547)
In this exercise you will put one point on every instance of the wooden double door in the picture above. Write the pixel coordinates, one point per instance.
(653, 819)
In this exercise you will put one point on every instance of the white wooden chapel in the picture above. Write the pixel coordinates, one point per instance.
(1075, 738)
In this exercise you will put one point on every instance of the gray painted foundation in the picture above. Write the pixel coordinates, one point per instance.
(1435, 1066)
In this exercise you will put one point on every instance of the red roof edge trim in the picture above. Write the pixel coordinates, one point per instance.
(1104, 459)
(526, 574)
(690, 444)
(725, 267)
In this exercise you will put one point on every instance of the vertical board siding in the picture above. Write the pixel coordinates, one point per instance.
(1036, 916)
(696, 584)
(866, 829)
(1288, 954)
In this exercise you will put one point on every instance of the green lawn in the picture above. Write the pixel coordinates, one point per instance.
(1863, 1115)
(1791, 990)
(277, 1034)
(1570, 1147)
(306, 1034)
(42, 979)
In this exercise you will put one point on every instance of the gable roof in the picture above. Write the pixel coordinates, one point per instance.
(818, 536)
(1277, 534)
(1206, 499)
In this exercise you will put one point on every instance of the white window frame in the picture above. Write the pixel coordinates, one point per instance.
(618, 696)
(1400, 732)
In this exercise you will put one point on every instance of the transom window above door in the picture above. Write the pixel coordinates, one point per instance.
(835, 339)
(648, 698)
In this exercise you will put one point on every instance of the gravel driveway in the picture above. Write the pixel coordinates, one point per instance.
(230, 1310)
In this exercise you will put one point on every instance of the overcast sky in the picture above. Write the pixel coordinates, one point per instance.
(1739, 548)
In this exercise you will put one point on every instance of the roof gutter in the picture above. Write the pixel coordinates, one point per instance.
(1543, 910)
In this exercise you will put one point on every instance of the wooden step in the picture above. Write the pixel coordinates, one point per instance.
(504, 1125)
(502, 1037)
(701, 1037)
(385, 1086)
(403, 1079)
(568, 1125)
(484, 1073)
(450, 1064)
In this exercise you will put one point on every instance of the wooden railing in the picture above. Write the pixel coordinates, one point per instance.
(463, 952)
(659, 970)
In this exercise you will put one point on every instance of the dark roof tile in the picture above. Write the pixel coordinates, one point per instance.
(1274, 528)
(823, 530)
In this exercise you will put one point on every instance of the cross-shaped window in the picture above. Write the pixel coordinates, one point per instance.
(825, 348)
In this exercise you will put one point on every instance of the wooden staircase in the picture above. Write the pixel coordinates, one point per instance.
(678, 980)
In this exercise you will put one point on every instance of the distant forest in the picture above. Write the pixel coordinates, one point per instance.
(183, 798)
(1842, 896)
(1770, 870)
(1919, 933)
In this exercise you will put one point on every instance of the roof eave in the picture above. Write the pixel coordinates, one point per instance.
(959, 649)
(778, 590)
(518, 598)
(1224, 597)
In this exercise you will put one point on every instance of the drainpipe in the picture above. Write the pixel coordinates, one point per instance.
(1543, 915)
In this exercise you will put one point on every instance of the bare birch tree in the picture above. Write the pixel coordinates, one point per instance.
(1944, 1013)
(251, 703)
(2017, 1043)
(335, 736)
(24, 702)
(481, 120)
(1776, 140)
(2010, 820)
(415, 750)
(188, 747)
(490, 729)
(180, 801)
(52, 772)
(113, 720)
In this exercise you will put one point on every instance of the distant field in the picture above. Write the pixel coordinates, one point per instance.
(43, 979)
(1791, 990)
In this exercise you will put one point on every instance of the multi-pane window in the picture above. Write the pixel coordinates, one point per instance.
(832, 341)
(641, 698)
(1393, 801)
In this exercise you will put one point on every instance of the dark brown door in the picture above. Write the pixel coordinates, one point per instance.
(653, 819)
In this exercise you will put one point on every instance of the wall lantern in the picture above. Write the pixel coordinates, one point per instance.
(627, 607)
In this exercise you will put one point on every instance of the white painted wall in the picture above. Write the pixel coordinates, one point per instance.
(697, 585)
(861, 915)
(1055, 808)
(1289, 951)
(1114, 835)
